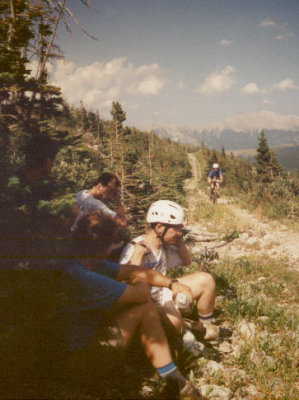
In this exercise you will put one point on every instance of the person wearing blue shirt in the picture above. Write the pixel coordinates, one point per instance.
(109, 301)
(215, 177)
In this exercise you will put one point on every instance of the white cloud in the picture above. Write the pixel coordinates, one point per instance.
(225, 42)
(285, 84)
(98, 84)
(285, 35)
(252, 88)
(219, 81)
(268, 22)
(282, 29)
(150, 85)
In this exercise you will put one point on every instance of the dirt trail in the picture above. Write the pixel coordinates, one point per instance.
(258, 235)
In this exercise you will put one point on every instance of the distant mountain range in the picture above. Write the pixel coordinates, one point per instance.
(240, 132)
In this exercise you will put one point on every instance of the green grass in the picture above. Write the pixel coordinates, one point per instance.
(276, 339)
(217, 218)
(254, 288)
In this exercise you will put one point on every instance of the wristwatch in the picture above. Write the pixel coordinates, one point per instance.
(171, 283)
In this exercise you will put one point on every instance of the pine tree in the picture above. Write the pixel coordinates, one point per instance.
(274, 166)
(119, 116)
(84, 122)
(263, 159)
(223, 154)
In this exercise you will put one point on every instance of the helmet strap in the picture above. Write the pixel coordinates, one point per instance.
(166, 227)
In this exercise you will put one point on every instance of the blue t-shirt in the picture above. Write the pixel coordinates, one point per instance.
(91, 294)
(214, 173)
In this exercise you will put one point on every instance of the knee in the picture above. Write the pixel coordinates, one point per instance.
(207, 281)
(149, 309)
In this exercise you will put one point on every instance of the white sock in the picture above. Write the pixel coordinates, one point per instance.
(206, 318)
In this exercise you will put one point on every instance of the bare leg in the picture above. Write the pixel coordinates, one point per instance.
(145, 318)
(172, 320)
(203, 289)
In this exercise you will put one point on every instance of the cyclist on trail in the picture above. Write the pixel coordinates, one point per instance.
(215, 177)
(161, 248)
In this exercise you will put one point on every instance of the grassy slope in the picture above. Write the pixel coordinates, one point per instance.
(263, 291)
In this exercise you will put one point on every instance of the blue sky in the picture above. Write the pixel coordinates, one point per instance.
(183, 62)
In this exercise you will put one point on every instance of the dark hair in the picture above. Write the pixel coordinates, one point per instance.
(107, 177)
(38, 149)
(94, 234)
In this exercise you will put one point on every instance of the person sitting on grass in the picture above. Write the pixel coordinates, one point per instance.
(106, 188)
(34, 178)
(112, 302)
(22, 220)
(161, 248)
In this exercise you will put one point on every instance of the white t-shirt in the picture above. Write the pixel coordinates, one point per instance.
(87, 203)
(160, 260)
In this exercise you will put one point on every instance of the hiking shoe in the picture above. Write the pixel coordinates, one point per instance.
(190, 392)
(211, 331)
(193, 346)
(194, 326)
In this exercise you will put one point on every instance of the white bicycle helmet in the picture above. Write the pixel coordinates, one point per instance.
(215, 165)
(165, 212)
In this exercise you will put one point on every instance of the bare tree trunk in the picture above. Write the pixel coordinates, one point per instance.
(50, 44)
(116, 132)
(111, 150)
(43, 57)
(122, 172)
(150, 162)
(13, 17)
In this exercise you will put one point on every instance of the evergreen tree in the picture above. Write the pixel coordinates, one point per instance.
(84, 122)
(119, 116)
(223, 154)
(100, 128)
(274, 166)
(263, 159)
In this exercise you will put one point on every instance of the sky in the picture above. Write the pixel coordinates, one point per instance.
(183, 62)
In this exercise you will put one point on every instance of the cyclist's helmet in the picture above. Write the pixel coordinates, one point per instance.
(215, 165)
(165, 212)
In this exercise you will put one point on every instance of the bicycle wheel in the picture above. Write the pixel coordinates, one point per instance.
(214, 197)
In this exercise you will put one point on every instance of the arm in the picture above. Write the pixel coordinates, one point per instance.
(209, 178)
(140, 250)
(136, 293)
(120, 217)
(134, 274)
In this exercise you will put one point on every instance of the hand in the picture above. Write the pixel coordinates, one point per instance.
(180, 242)
(178, 287)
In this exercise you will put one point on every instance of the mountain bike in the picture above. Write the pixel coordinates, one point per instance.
(214, 193)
